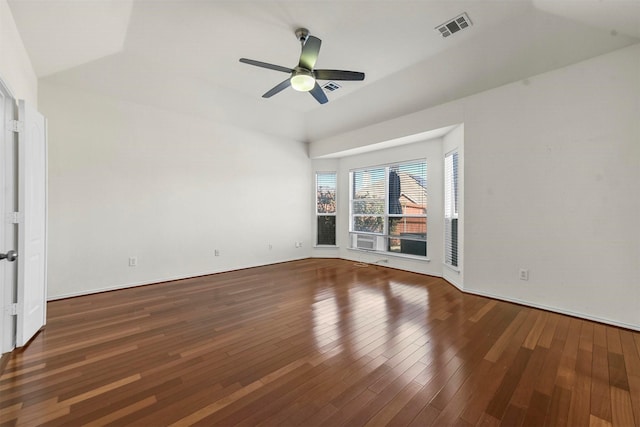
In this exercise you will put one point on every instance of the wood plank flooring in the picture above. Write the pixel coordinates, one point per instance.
(318, 342)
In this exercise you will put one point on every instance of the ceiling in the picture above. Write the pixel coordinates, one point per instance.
(183, 55)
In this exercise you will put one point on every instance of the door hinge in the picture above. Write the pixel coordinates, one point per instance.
(12, 309)
(15, 125)
(14, 218)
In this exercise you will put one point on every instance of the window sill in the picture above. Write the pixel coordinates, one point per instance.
(392, 254)
(452, 268)
(326, 247)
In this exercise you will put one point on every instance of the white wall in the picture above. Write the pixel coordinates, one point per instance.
(15, 66)
(127, 180)
(552, 166)
(552, 172)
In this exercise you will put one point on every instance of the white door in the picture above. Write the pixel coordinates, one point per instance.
(32, 229)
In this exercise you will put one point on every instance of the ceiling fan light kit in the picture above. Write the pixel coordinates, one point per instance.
(302, 80)
(303, 77)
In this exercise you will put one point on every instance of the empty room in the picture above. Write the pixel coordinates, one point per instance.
(442, 231)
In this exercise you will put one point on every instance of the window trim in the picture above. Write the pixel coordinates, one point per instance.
(451, 211)
(386, 216)
(319, 214)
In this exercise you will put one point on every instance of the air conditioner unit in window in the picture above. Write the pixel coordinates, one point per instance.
(366, 242)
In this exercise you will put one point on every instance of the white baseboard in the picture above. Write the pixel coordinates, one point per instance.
(553, 309)
(456, 285)
(159, 280)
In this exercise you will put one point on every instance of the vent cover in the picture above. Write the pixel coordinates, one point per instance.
(456, 24)
(331, 86)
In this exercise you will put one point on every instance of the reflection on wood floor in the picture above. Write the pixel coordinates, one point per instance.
(318, 342)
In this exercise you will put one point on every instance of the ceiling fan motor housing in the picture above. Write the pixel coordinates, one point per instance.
(302, 34)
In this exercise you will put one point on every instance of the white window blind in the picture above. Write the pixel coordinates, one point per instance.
(326, 208)
(368, 200)
(389, 208)
(451, 209)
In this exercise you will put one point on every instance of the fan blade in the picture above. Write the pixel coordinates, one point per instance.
(319, 94)
(266, 65)
(309, 54)
(338, 75)
(277, 89)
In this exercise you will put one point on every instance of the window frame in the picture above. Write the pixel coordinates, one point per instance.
(451, 198)
(325, 214)
(386, 216)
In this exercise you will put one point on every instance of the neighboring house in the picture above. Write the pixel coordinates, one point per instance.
(407, 207)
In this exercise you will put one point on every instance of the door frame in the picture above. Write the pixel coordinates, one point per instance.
(8, 204)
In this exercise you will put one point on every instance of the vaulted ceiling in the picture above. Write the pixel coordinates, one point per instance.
(183, 54)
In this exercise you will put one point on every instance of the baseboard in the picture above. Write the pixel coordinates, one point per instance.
(455, 285)
(4, 361)
(553, 309)
(160, 280)
(453, 282)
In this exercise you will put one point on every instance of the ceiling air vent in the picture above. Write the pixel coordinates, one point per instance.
(454, 25)
(331, 86)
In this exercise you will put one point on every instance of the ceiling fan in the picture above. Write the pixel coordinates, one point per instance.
(303, 77)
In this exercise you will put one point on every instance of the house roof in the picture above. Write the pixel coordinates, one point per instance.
(413, 189)
(183, 55)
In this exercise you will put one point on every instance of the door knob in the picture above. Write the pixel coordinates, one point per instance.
(9, 256)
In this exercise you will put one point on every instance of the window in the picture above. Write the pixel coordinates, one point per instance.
(326, 208)
(389, 208)
(451, 209)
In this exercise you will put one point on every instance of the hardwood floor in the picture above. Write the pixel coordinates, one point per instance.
(318, 342)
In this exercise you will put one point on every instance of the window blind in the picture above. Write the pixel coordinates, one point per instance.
(368, 200)
(451, 209)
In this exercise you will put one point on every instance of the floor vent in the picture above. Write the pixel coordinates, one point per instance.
(454, 25)
(331, 86)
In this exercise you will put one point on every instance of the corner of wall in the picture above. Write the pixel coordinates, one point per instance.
(16, 69)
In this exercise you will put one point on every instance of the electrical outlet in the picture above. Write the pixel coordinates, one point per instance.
(133, 261)
(216, 252)
(270, 246)
(524, 274)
